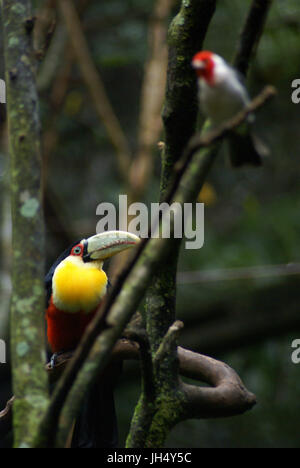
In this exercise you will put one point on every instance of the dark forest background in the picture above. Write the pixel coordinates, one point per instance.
(246, 316)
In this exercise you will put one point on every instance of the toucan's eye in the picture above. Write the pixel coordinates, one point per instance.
(77, 250)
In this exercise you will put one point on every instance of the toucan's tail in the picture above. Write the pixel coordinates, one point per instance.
(246, 149)
(96, 425)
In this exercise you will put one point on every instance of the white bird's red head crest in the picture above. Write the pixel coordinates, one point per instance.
(204, 63)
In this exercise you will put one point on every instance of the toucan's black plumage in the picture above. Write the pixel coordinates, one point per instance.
(96, 425)
(49, 275)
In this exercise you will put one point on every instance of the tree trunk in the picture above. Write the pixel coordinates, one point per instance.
(27, 317)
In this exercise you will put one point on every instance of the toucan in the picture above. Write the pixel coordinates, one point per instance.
(75, 286)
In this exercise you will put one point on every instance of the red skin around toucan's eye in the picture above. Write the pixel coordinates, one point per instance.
(75, 248)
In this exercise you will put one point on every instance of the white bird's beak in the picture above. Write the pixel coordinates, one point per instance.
(198, 64)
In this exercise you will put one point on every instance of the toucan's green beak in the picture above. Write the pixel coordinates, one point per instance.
(105, 245)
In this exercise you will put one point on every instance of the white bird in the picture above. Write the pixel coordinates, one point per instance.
(221, 96)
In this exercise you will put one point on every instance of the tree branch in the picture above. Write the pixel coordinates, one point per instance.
(152, 96)
(96, 87)
(186, 35)
(6, 418)
(143, 415)
(48, 69)
(228, 395)
(45, 26)
(244, 319)
(141, 338)
(168, 343)
(237, 274)
(251, 34)
(211, 137)
(27, 324)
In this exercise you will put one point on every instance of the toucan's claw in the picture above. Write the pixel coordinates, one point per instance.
(54, 358)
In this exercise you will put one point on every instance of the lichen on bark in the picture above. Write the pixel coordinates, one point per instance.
(30, 383)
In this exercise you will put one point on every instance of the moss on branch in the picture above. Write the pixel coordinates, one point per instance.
(186, 35)
(27, 329)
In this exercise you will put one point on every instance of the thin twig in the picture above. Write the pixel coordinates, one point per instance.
(6, 418)
(213, 136)
(48, 68)
(45, 26)
(146, 364)
(237, 274)
(168, 342)
(251, 34)
(96, 87)
(152, 96)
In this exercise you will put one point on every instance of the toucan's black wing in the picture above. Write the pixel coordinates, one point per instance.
(96, 425)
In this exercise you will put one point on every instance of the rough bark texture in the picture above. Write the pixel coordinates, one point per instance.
(186, 36)
(27, 321)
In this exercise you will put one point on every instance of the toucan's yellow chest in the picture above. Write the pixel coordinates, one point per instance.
(78, 286)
